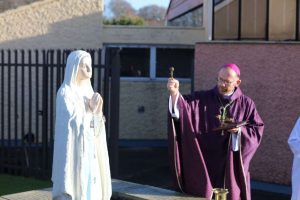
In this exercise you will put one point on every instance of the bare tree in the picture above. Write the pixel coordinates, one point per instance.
(121, 8)
(152, 12)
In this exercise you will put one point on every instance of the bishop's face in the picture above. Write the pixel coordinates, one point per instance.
(84, 69)
(227, 81)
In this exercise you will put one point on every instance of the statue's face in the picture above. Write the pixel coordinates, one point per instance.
(84, 69)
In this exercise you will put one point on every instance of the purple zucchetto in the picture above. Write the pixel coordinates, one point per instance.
(234, 67)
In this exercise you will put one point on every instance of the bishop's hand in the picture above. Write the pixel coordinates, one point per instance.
(96, 103)
(173, 86)
(233, 130)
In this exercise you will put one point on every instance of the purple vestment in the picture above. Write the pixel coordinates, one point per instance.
(201, 158)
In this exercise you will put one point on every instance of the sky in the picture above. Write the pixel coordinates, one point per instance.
(136, 4)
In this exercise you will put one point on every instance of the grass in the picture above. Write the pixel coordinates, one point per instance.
(14, 184)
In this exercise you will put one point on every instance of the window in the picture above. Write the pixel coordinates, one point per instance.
(135, 62)
(218, 1)
(150, 62)
(181, 59)
(193, 18)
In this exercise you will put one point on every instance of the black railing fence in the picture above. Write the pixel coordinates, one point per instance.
(28, 85)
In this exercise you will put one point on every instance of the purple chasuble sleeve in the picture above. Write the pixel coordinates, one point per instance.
(201, 159)
(188, 165)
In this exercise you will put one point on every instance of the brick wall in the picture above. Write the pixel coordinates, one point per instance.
(270, 76)
(143, 109)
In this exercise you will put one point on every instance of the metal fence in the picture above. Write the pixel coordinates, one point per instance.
(28, 85)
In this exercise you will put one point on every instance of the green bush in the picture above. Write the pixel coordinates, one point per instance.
(125, 21)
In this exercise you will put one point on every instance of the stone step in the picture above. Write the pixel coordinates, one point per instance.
(42, 194)
(128, 190)
(121, 190)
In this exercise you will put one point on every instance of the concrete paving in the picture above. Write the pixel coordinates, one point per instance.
(121, 190)
(145, 175)
(150, 166)
(43, 194)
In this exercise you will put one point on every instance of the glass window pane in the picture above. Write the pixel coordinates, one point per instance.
(254, 16)
(282, 20)
(181, 59)
(193, 18)
(135, 62)
(226, 20)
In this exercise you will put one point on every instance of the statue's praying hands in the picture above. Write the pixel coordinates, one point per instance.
(96, 103)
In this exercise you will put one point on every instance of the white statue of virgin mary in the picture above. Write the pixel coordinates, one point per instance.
(80, 161)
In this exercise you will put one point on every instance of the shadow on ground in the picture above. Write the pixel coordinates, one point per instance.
(150, 166)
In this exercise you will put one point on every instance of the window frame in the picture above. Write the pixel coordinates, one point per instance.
(152, 61)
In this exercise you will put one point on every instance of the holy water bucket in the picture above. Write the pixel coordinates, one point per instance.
(219, 194)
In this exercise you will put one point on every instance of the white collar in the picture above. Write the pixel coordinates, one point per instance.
(227, 96)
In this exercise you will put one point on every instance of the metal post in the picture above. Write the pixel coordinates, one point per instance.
(26, 160)
(9, 153)
(267, 19)
(3, 155)
(37, 155)
(16, 128)
(45, 113)
(106, 88)
(297, 20)
(114, 111)
(29, 136)
(213, 20)
(240, 20)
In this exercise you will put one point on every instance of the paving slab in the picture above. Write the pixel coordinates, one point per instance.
(121, 190)
(43, 194)
(136, 191)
